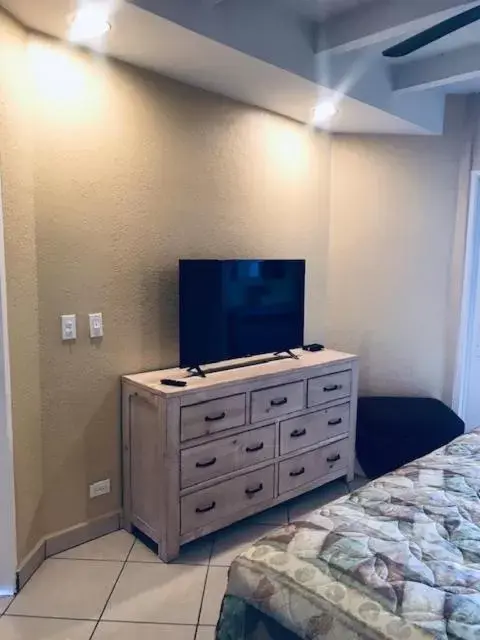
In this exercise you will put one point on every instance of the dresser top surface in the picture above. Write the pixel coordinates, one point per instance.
(250, 369)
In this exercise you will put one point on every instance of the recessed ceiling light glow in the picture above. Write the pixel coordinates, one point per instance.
(324, 111)
(89, 22)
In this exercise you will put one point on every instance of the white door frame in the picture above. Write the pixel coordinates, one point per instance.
(468, 305)
(8, 546)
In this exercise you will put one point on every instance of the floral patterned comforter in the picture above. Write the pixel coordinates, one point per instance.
(398, 559)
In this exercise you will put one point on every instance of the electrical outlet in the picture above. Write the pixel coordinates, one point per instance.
(100, 488)
(69, 327)
(96, 325)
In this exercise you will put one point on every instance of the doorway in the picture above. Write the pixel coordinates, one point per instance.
(8, 553)
(467, 392)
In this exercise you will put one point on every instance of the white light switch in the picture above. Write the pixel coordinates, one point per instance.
(69, 327)
(96, 325)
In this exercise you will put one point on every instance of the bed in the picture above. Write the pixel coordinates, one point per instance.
(397, 559)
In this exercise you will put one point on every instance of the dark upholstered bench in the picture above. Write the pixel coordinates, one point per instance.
(394, 431)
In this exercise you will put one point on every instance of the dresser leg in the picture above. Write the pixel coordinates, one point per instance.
(168, 552)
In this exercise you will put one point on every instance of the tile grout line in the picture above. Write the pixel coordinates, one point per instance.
(131, 548)
(88, 559)
(29, 615)
(215, 536)
(146, 622)
(110, 595)
(132, 622)
(205, 584)
(214, 539)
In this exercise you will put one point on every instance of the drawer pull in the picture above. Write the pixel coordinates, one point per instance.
(332, 387)
(299, 472)
(252, 492)
(203, 465)
(334, 458)
(256, 447)
(278, 402)
(219, 416)
(333, 423)
(298, 433)
(209, 507)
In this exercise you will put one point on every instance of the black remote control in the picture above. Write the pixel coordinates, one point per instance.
(173, 383)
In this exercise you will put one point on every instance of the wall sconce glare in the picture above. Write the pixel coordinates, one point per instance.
(90, 22)
(323, 112)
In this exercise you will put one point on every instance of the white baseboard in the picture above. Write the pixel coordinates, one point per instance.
(30, 564)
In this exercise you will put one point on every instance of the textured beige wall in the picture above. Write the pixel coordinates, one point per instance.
(132, 172)
(393, 215)
(16, 173)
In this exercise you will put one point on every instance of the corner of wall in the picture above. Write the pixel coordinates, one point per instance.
(16, 172)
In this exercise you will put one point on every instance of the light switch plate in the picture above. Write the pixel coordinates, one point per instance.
(69, 327)
(96, 325)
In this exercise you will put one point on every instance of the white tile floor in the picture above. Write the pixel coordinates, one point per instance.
(115, 588)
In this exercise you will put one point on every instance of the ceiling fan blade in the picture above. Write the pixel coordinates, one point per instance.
(434, 33)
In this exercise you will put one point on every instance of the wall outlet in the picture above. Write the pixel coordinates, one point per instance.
(69, 327)
(100, 488)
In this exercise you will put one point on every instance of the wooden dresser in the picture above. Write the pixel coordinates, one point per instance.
(224, 447)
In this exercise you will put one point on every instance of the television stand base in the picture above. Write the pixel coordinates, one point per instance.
(288, 352)
(241, 363)
(197, 371)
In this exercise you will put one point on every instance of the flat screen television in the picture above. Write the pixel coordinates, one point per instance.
(235, 308)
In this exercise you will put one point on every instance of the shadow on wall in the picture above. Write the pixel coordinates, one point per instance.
(161, 337)
(102, 435)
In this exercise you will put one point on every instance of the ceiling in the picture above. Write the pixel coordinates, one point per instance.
(287, 55)
(320, 10)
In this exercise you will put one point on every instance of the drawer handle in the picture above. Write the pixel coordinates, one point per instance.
(219, 416)
(332, 387)
(278, 402)
(298, 433)
(333, 423)
(203, 465)
(251, 492)
(299, 472)
(334, 458)
(257, 447)
(209, 507)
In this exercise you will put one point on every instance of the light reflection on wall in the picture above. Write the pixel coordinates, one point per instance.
(287, 148)
(64, 83)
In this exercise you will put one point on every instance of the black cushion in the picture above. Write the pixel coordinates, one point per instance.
(394, 431)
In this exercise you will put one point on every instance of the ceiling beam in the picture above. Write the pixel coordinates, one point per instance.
(437, 71)
(242, 25)
(385, 20)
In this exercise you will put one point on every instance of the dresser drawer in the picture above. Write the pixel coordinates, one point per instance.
(227, 454)
(277, 401)
(212, 416)
(336, 456)
(301, 432)
(308, 467)
(329, 387)
(225, 498)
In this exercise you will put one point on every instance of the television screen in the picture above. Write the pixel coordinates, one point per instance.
(235, 308)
